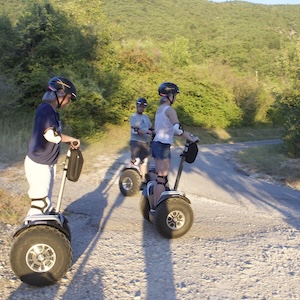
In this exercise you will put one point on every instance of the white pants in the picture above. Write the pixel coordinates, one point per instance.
(41, 179)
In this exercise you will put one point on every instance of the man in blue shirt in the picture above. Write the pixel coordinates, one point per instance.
(44, 145)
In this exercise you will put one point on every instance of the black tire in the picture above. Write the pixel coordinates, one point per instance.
(174, 217)
(130, 182)
(144, 207)
(67, 229)
(41, 255)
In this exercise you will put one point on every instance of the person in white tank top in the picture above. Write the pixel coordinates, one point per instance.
(164, 131)
(166, 126)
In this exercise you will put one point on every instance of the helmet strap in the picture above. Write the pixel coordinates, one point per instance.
(171, 101)
(59, 103)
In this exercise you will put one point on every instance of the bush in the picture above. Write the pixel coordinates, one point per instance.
(292, 124)
(286, 112)
(208, 104)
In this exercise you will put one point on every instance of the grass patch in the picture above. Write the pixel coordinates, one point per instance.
(234, 135)
(272, 160)
(13, 207)
(15, 135)
(112, 139)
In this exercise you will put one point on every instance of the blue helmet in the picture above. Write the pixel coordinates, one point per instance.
(65, 84)
(141, 101)
(168, 88)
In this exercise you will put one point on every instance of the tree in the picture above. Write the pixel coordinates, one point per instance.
(176, 52)
(287, 106)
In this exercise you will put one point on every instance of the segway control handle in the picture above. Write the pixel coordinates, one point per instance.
(74, 144)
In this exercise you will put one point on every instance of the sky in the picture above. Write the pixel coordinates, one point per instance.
(269, 2)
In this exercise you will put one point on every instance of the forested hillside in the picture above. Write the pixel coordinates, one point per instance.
(244, 35)
(236, 63)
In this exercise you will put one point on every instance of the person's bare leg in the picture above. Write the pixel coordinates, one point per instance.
(162, 169)
(143, 168)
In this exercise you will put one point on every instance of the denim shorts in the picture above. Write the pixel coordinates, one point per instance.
(160, 150)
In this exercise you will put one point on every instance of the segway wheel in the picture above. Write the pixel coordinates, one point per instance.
(67, 229)
(130, 182)
(41, 255)
(174, 217)
(145, 207)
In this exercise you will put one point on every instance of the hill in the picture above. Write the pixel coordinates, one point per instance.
(232, 60)
(243, 34)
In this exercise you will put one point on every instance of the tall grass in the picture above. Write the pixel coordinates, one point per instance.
(15, 135)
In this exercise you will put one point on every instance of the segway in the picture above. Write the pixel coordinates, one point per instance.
(130, 181)
(173, 216)
(41, 252)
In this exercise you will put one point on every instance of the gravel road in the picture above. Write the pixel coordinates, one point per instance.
(244, 243)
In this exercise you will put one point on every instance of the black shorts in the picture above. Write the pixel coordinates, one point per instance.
(139, 150)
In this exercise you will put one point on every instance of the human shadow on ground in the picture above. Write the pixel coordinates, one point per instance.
(96, 210)
(158, 264)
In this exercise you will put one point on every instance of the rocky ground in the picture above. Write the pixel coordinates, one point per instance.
(236, 249)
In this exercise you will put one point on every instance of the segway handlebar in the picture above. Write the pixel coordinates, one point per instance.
(188, 155)
(65, 172)
(187, 145)
(74, 145)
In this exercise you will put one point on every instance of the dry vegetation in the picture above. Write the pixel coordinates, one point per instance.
(13, 207)
(272, 162)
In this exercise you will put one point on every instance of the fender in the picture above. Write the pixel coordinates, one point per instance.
(131, 167)
(49, 220)
(173, 194)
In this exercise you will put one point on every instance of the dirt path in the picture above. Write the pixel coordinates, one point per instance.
(244, 243)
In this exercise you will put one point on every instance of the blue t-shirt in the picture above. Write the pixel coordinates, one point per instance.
(40, 150)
